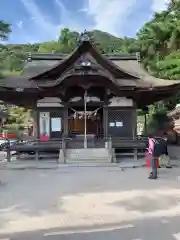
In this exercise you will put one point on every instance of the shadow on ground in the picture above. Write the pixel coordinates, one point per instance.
(69, 201)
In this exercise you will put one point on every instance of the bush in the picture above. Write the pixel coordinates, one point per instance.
(159, 121)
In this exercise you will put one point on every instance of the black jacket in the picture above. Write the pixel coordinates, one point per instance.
(160, 147)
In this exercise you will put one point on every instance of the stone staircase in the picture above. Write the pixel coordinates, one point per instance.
(88, 155)
(71, 151)
(79, 143)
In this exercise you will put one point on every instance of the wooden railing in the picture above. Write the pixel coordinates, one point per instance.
(129, 147)
(33, 147)
(36, 146)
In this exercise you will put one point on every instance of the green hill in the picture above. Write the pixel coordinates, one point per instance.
(12, 56)
(110, 43)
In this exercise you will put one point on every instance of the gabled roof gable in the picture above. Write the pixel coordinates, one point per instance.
(84, 50)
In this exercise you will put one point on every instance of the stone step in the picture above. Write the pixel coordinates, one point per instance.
(92, 153)
(77, 155)
(87, 155)
(86, 161)
(80, 144)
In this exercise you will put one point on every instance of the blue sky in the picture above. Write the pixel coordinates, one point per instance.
(42, 20)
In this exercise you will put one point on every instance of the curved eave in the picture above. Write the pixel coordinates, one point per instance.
(16, 91)
(16, 82)
(75, 75)
(167, 88)
(136, 69)
(95, 79)
(147, 97)
(26, 98)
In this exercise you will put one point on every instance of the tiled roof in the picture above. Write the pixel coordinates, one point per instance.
(35, 67)
(17, 82)
(117, 71)
(135, 68)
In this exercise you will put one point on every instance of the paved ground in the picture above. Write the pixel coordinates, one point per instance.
(26, 163)
(89, 203)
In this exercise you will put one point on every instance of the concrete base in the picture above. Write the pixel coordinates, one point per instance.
(89, 155)
(61, 158)
(51, 164)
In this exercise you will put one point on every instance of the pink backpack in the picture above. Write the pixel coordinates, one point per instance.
(151, 143)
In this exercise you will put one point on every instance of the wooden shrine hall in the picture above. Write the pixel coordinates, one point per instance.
(85, 92)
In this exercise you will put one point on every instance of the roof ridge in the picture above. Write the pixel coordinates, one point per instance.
(47, 56)
(60, 56)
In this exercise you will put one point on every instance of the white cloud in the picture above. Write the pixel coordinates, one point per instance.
(39, 18)
(159, 5)
(85, 10)
(29, 39)
(109, 15)
(105, 15)
(43, 21)
(67, 18)
(19, 24)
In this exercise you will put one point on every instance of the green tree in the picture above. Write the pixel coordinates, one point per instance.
(5, 30)
(50, 47)
(68, 40)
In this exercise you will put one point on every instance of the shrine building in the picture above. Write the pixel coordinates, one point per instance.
(101, 91)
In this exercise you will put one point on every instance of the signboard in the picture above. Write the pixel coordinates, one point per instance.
(112, 124)
(116, 124)
(56, 124)
(119, 124)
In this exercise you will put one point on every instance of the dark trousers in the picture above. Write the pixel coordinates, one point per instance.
(154, 166)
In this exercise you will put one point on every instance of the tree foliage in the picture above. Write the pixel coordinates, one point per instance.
(5, 30)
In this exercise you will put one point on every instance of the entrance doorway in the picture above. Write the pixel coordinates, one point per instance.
(94, 121)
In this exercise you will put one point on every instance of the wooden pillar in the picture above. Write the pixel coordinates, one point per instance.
(134, 125)
(145, 123)
(134, 129)
(36, 130)
(105, 121)
(105, 114)
(35, 123)
(65, 121)
(8, 151)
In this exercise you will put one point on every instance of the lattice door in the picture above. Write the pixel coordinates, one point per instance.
(121, 123)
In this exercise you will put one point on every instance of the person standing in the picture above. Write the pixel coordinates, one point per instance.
(155, 151)
(164, 151)
(150, 150)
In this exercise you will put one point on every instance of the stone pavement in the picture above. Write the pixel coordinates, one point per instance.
(124, 162)
(51, 164)
(89, 203)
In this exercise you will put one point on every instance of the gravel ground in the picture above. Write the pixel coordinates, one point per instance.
(89, 203)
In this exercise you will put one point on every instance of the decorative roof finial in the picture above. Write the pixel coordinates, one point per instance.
(84, 37)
